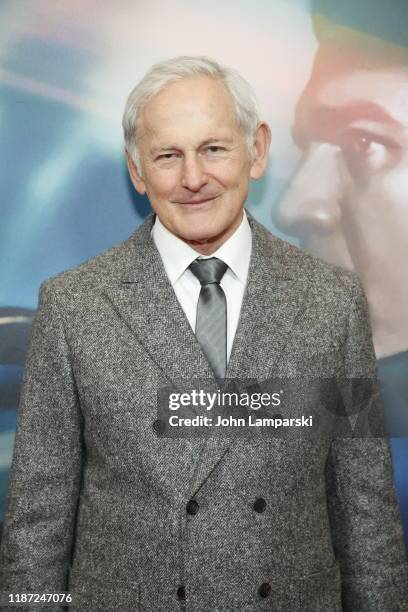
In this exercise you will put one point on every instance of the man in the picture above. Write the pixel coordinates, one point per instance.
(101, 504)
(348, 200)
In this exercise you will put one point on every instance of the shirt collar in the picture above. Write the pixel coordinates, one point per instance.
(177, 255)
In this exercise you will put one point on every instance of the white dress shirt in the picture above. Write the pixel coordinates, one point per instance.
(177, 255)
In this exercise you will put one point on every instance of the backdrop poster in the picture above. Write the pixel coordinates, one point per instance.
(336, 185)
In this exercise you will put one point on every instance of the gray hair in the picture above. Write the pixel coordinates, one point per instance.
(164, 73)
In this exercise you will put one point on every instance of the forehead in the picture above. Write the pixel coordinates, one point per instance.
(188, 108)
(383, 88)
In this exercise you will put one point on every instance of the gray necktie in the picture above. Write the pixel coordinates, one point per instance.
(211, 320)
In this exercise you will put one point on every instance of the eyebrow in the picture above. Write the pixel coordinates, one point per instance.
(356, 111)
(158, 148)
(328, 120)
(211, 140)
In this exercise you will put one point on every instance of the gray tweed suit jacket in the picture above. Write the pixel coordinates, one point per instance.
(97, 501)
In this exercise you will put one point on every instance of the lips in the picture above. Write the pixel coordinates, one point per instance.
(196, 201)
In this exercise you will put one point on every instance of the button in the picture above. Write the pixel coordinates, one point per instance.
(181, 592)
(159, 426)
(264, 589)
(192, 507)
(259, 505)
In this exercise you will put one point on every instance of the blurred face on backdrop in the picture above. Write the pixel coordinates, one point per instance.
(348, 202)
(195, 162)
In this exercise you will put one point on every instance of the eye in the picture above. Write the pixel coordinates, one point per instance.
(366, 152)
(168, 159)
(361, 144)
(166, 156)
(215, 149)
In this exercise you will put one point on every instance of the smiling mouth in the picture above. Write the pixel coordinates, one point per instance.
(197, 201)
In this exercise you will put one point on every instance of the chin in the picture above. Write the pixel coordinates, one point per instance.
(200, 237)
(199, 232)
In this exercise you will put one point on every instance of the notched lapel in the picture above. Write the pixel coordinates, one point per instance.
(145, 301)
(275, 298)
(266, 321)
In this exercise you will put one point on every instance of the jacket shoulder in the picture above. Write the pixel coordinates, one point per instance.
(299, 264)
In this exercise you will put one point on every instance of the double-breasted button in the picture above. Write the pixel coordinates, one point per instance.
(264, 589)
(259, 505)
(192, 507)
(181, 592)
(159, 426)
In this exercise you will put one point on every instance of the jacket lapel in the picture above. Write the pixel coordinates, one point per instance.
(145, 300)
(275, 297)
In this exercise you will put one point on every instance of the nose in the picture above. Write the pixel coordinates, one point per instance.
(193, 173)
(312, 201)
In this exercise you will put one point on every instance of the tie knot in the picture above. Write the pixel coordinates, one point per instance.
(209, 270)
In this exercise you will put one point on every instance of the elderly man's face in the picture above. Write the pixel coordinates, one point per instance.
(195, 161)
(348, 202)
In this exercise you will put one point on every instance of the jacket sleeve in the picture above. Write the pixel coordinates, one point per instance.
(46, 466)
(363, 510)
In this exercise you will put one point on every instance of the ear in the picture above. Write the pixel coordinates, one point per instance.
(135, 175)
(261, 146)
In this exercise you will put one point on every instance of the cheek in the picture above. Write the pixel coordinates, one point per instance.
(394, 194)
(161, 185)
(233, 175)
(383, 198)
(375, 218)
